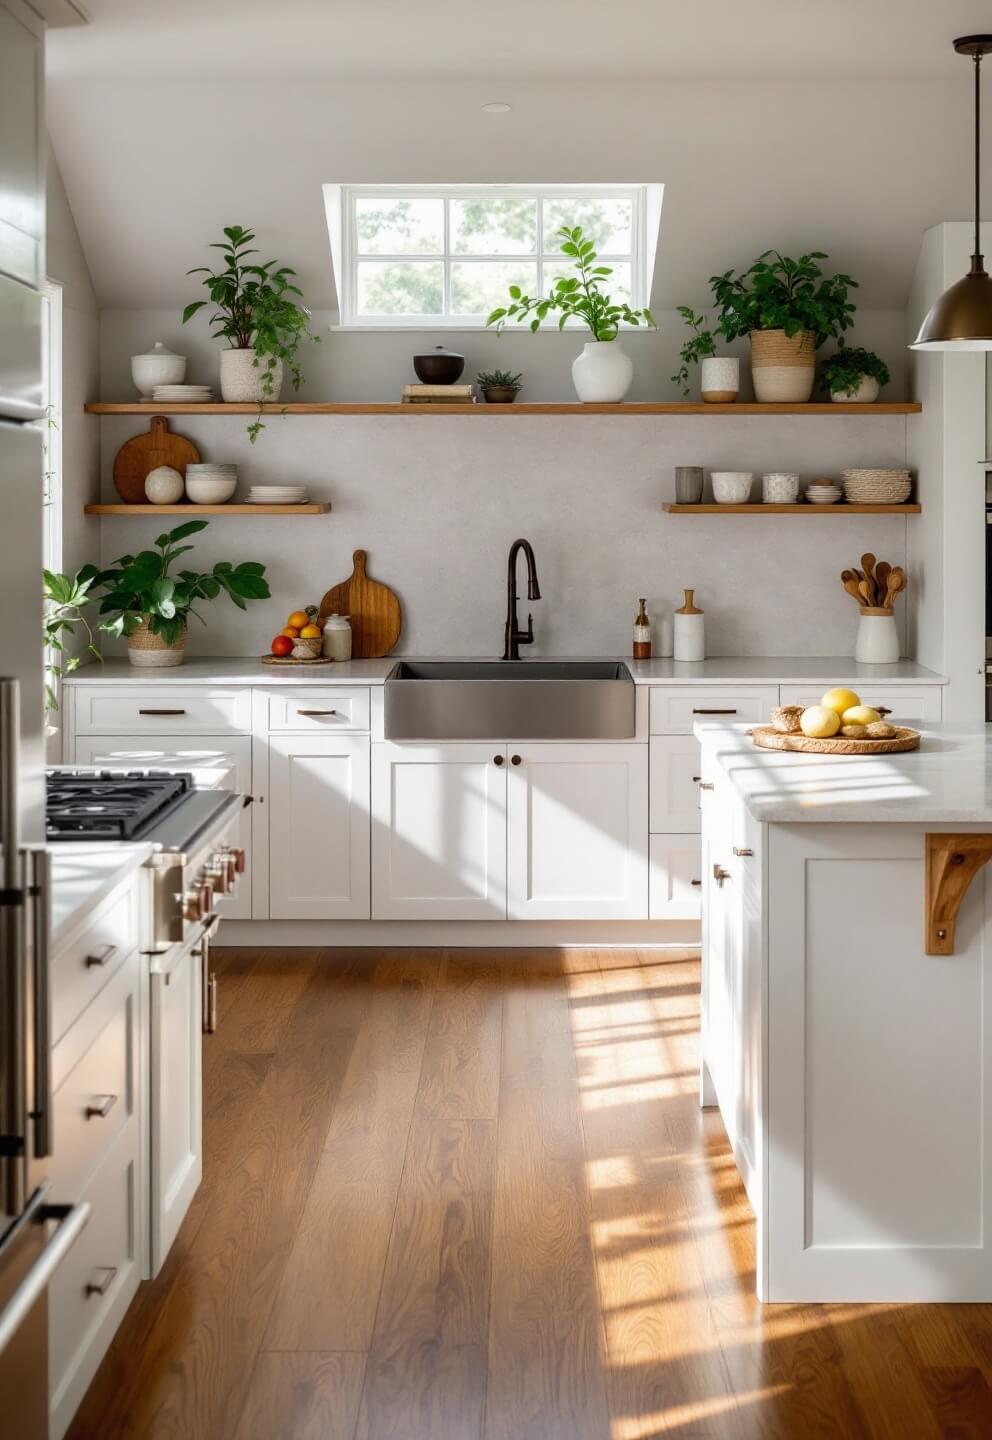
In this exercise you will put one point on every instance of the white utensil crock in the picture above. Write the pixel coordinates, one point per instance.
(878, 639)
(242, 381)
(720, 379)
(602, 373)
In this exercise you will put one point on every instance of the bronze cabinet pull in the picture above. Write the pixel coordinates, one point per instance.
(309, 713)
(719, 874)
(713, 712)
(100, 1287)
(161, 712)
(740, 853)
(695, 882)
(515, 760)
(498, 760)
(100, 957)
(101, 1107)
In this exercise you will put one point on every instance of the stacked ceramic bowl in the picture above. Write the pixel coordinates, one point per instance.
(823, 492)
(211, 484)
(732, 487)
(183, 394)
(278, 495)
(877, 487)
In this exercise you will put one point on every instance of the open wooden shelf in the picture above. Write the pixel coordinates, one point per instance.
(193, 510)
(650, 407)
(799, 508)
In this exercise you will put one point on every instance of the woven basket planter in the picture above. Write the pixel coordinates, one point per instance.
(151, 651)
(783, 367)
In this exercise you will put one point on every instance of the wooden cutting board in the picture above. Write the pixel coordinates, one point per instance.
(373, 609)
(142, 454)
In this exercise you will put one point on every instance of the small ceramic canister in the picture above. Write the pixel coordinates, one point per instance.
(688, 484)
(780, 488)
(337, 638)
(164, 485)
(720, 379)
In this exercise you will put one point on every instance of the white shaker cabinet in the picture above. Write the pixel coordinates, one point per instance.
(176, 1052)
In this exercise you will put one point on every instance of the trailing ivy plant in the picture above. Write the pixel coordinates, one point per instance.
(255, 311)
(65, 597)
(140, 587)
(777, 293)
(577, 297)
(842, 372)
(700, 345)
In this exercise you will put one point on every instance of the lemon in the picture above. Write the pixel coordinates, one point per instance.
(860, 715)
(840, 700)
(819, 722)
(310, 632)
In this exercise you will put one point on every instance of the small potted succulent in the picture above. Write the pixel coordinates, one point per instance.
(151, 607)
(720, 374)
(854, 376)
(498, 387)
(256, 314)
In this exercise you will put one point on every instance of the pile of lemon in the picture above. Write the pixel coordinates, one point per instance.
(841, 712)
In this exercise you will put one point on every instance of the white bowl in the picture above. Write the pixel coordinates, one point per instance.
(208, 490)
(732, 487)
(822, 495)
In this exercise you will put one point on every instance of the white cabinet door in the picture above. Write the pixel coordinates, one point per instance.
(674, 784)
(22, 145)
(676, 877)
(174, 752)
(318, 807)
(438, 832)
(577, 832)
(908, 704)
(176, 1090)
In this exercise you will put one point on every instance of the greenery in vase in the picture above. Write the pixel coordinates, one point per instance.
(577, 297)
(65, 597)
(842, 372)
(497, 380)
(140, 587)
(700, 346)
(778, 293)
(255, 311)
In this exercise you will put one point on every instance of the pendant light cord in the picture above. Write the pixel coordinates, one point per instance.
(978, 157)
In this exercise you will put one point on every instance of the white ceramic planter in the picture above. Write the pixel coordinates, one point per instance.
(160, 366)
(602, 374)
(732, 487)
(866, 393)
(242, 381)
(721, 379)
(878, 639)
(780, 488)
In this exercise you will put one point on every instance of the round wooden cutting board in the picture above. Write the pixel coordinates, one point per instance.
(372, 608)
(142, 454)
(768, 739)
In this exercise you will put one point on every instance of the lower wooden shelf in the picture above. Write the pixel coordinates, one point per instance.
(800, 508)
(193, 510)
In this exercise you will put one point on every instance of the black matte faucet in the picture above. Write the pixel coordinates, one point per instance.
(514, 636)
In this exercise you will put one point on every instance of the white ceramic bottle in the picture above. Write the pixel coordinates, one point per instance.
(689, 628)
(337, 638)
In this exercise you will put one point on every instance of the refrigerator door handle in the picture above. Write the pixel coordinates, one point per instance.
(13, 980)
(39, 862)
(72, 1219)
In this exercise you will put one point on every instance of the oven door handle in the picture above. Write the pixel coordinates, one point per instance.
(72, 1220)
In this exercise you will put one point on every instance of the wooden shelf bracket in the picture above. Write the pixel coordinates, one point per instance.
(952, 863)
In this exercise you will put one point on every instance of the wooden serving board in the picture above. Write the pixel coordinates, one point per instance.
(142, 454)
(768, 739)
(373, 609)
(292, 660)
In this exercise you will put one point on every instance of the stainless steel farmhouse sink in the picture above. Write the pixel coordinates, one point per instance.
(509, 700)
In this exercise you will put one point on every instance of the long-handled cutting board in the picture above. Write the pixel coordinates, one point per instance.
(373, 609)
(142, 454)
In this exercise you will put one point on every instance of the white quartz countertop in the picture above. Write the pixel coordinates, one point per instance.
(84, 874)
(721, 670)
(948, 780)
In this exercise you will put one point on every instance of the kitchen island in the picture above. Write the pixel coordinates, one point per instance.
(847, 1010)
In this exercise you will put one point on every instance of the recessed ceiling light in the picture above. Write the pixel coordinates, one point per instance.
(497, 107)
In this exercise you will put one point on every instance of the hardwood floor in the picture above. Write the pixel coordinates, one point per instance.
(471, 1196)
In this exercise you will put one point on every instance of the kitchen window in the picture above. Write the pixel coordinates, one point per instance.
(51, 424)
(426, 257)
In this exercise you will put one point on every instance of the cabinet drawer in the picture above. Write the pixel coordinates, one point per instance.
(907, 703)
(675, 877)
(95, 1074)
(675, 709)
(322, 709)
(674, 784)
(160, 709)
(84, 964)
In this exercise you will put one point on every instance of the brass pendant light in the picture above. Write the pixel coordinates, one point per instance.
(962, 317)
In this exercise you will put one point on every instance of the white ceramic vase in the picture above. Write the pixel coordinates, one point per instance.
(164, 485)
(720, 379)
(160, 366)
(878, 638)
(242, 381)
(602, 373)
(866, 393)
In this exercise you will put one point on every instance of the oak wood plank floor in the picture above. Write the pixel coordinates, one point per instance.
(471, 1196)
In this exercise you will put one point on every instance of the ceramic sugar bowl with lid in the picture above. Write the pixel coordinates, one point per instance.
(160, 366)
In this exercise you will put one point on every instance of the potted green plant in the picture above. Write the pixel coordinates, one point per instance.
(855, 376)
(603, 372)
(498, 387)
(142, 600)
(789, 309)
(720, 374)
(256, 314)
(64, 599)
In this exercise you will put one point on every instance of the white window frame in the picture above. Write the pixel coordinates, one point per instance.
(51, 423)
(340, 205)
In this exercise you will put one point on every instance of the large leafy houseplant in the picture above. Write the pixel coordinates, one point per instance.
(65, 597)
(255, 310)
(777, 293)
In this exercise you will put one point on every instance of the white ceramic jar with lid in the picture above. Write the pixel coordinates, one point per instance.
(337, 638)
(690, 633)
(160, 366)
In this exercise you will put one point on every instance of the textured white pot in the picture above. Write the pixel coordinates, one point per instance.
(866, 393)
(721, 379)
(602, 373)
(242, 381)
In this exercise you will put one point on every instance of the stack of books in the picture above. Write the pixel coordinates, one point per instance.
(438, 395)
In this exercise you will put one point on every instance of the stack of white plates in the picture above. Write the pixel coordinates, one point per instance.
(278, 495)
(186, 394)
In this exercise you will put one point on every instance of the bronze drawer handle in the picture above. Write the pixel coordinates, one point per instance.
(161, 712)
(100, 1287)
(498, 760)
(516, 760)
(100, 957)
(713, 712)
(101, 1108)
(309, 713)
(695, 882)
(741, 853)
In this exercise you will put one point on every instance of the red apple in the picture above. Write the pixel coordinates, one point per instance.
(282, 645)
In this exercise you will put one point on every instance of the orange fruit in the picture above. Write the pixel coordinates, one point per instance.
(291, 631)
(298, 619)
(310, 632)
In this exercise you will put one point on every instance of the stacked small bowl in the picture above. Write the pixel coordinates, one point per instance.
(211, 484)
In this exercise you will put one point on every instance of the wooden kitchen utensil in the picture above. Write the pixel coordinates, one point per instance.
(882, 572)
(372, 608)
(852, 584)
(897, 582)
(142, 454)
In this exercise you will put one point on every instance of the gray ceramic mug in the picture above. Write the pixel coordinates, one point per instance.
(688, 484)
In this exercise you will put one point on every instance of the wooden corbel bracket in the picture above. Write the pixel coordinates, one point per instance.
(952, 863)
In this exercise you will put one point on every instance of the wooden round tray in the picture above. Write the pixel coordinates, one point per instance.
(291, 660)
(768, 739)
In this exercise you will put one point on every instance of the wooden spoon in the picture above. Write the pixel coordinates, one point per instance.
(868, 567)
(882, 572)
(850, 581)
(868, 591)
(897, 582)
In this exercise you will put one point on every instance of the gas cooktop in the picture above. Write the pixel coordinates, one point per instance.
(111, 804)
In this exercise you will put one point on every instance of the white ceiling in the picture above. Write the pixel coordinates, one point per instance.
(790, 123)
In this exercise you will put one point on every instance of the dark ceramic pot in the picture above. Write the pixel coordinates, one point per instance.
(499, 394)
(439, 367)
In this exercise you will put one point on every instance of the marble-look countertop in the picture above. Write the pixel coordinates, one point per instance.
(721, 670)
(84, 874)
(947, 781)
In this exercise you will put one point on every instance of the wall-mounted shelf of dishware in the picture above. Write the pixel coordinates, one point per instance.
(193, 510)
(648, 407)
(842, 508)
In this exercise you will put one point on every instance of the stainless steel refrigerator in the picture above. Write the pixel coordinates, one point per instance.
(34, 1235)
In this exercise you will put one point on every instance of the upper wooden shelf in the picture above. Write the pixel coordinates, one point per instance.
(190, 509)
(649, 407)
(799, 508)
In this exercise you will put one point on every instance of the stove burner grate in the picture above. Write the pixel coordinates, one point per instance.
(110, 804)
